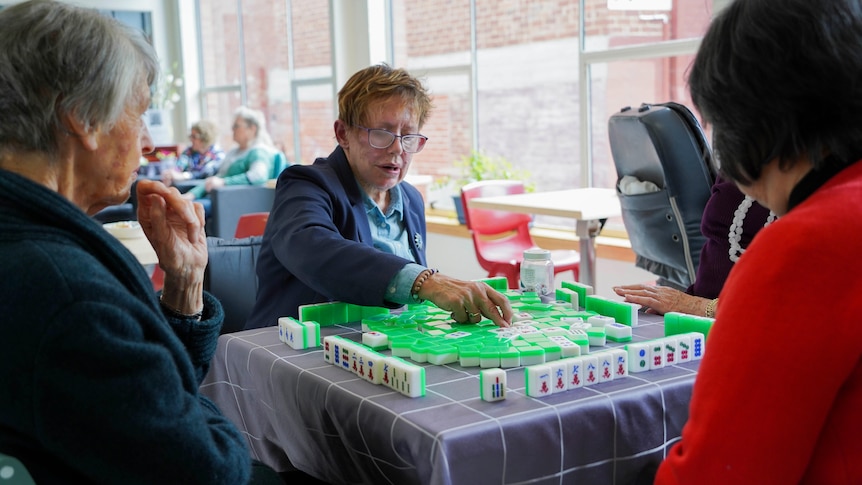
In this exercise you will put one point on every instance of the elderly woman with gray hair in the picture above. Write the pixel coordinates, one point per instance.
(100, 374)
(250, 162)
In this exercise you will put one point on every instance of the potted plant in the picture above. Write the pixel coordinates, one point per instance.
(479, 166)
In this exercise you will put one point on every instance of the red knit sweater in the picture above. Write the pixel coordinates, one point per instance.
(778, 397)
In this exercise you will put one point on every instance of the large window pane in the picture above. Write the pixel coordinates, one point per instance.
(316, 117)
(633, 22)
(258, 55)
(220, 47)
(312, 76)
(310, 31)
(528, 87)
(630, 83)
(526, 73)
(220, 107)
(438, 52)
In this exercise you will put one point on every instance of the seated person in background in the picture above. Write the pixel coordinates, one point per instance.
(100, 374)
(348, 228)
(730, 221)
(773, 403)
(249, 163)
(201, 159)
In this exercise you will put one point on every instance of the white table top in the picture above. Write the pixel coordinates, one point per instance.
(142, 249)
(579, 204)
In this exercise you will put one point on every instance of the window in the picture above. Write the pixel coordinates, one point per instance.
(250, 56)
(533, 81)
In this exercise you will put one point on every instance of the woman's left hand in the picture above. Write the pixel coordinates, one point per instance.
(662, 299)
(175, 228)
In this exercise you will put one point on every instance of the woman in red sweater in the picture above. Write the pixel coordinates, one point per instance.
(778, 397)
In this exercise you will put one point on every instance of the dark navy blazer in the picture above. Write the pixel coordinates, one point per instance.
(318, 246)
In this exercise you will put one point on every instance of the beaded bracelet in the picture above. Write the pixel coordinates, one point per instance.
(420, 280)
(710, 308)
(177, 315)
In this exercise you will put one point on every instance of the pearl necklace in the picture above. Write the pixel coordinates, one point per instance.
(735, 235)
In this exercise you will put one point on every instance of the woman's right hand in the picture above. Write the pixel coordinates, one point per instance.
(467, 300)
(175, 228)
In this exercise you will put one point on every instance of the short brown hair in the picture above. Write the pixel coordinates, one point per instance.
(376, 83)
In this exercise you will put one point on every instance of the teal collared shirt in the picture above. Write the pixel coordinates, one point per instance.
(390, 236)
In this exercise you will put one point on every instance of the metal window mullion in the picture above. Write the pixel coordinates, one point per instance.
(243, 96)
(474, 77)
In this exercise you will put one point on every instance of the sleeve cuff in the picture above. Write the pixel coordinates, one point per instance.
(399, 288)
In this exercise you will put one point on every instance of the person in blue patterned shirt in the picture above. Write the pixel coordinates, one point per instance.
(201, 159)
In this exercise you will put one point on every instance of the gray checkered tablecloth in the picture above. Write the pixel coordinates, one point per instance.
(342, 429)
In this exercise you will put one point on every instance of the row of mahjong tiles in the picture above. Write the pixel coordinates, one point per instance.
(542, 332)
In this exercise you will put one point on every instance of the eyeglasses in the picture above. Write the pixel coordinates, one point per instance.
(194, 136)
(379, 138)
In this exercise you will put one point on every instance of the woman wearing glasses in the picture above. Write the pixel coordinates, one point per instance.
(201, 159)
(348, 228)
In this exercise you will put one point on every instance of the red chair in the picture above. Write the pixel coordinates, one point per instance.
(251, 224)
(500, 237)
(158, 278)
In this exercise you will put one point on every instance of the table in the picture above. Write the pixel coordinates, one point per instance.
(142, 249)
(341, 429)
(587, 206)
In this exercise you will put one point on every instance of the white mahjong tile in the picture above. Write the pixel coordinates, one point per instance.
(620, 360)
(591, 369)
(538, 380)
(638, 356)
(656, 354)
(600, 320)
(492, 384)
(574, 372)
(685, 350)
(374, 367)
(618, 331)
(605, 366)
(558, 376)
(698, 345)
(375, 340)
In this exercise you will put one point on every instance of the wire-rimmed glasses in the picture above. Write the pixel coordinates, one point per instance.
(380, 138)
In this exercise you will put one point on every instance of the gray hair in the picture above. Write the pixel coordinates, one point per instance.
(255, 118)
(68, 61)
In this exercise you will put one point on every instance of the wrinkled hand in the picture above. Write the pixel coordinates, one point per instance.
(662, 299)
(175, 228)
(467, 300)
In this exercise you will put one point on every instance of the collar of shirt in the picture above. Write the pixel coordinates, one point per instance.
(388, 230)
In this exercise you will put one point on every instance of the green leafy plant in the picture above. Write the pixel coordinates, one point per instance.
(166, 93)
(480, 166)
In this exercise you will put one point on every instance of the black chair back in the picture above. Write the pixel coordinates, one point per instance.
(230, 276)
(663, 144)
